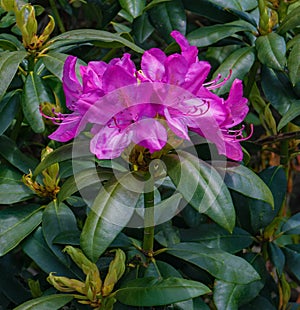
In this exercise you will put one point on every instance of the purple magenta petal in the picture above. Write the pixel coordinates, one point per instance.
(116, 77)
(152, 64)
(72, 87)
(150, 134)
(109, 142)
(177, 125)
(125, 62)
(176, 69)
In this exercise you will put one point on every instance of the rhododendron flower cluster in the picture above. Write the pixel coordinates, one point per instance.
(148, 123)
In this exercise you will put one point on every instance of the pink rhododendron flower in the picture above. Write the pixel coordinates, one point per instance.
(137, 118)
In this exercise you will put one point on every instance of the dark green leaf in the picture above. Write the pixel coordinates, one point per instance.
(12, 189)
(16, 223)
(37, 249)
(292, 256)
(168, 16)
(133, 7)
(85, 178)
(33, 96)
(154, 3)
(54, 62)
(10, 42)
(80, 36)
(57, 219)
(155, 292)
(48, 302)
(142, 28)
(241, 5)
(160, 269)
(259, 303)
(278, 90)
(208, 35)
(218, 263)
(10, 151)
(294, 64)
(167, 234)
(9, 107)
(111, 211)
(9, 63)
(291, 21)
(213, 236)
(292, 226)
(240, 62)
(276, 257)
(243, 180)
(271, 50)
(202, 187)
(70, 237)
(63, 153)
(290, 115)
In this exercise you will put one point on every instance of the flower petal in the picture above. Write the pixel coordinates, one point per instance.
(177, 125)
(176, 69)
(152, 64)
(125, 62)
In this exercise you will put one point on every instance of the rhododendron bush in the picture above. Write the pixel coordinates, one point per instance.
(149, 154)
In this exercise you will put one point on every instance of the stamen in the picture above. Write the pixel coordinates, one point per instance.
(214, 85)
(237, 135)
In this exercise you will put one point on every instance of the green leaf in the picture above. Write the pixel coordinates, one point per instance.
(154, 3)
(240, 62)
(58, 219)
(292, 256)
(271, 50)
(63, 41)
(63, 153)
(208, 35)
(12, 189)
(16, 223)
(167, 17)
(167, 234)
(149, 292)
(110, 213)
(9, 106)
(10, 42)
(292, 226)
(294, 64)
(278, 90)
(202, 187)
(290, 115)
(213, 236)
(276, 256)
(218, 263)
(160, 269)
(241, 5)
(48, 302)
(54, 62)
(34, 94)
(142, 28)
(133, 7)
(9, 63)
(243, 180)
(10, 151)
(259, 302)
(37, 249)
(291, 21)
(83, 179)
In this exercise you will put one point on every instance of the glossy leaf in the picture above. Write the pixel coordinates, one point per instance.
(37, 249)
(153, 3)
(9, 63)
(276, 256)
(111, 211)
(271, 50)
(54, 62)
(12, 189)
(259, 303)
(10, 42)
(142, 28)
(292, 226)
(243, 180)
(291, 21)
(241, 5)
(48, 302)
(202, 187)
(80, 36)
(83, 179)
(278, 90)
(9, 107)
(208, 35)
(16, 223)
(213, 236)
(168, 16)
(34, 94)
(218, 263)
(58, 219)
(157, 292)
(294, 64)
(10, 151)
(240, 62)
(133, 7)
(292, 256)
(290, 115)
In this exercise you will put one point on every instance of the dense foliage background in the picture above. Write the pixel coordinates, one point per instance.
(242, 254)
